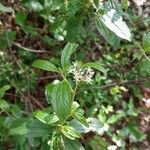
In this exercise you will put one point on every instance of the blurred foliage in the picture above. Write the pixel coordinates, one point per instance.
(37, 111)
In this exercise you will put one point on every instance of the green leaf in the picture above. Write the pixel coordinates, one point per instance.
(74, 6)
(135, 132)
(5, 9)
(16, 111)
(58, 22)
(98, 143)
(146, 42)
(108, 35)
(48, 92)
(35, 5)
(61, 101)
(11, 37)
(20, 130)
(66, 53)
(143, 66)
(3, 104)
(131, 109)
(102, 116)
(46, 118)
(72, 145)
(47, 3)
(96, 65)
(74, 106)
(114, 22)
(70, 132)
(16, 126)
(94, 125)
(45, 65)
(125, 4)
(78, 115)
(78, 126)
(3, 90)
(116, 117)
(56, 141)
(73, 27)
(21, 18)
(37, 129)
(28, 29)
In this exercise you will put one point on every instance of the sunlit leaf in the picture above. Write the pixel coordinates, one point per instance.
(113, 20)
(78, 115)
(66, 53)
(45, 65)
(46, 118)
(108, 35)
(70, 132)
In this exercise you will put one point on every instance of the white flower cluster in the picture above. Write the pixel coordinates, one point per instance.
(139, 2)
(84, 74)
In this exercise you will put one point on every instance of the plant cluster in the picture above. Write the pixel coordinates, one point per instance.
(93, 68)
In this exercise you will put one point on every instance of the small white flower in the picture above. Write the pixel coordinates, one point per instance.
(55, 82)
(112, 147)
(80, 74)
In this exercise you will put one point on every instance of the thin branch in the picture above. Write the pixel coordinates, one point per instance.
(11, 51)
(28, 49)
(107, 86)
(122, 83)
(55, 76)
(37, 102)
(22, 47)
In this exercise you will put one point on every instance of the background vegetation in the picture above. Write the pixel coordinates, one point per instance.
(111, 111)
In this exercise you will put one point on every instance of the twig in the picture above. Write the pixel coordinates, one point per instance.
(37, 102)
(22, 47)
(55, 76)
(107, 86)
(28, 49)
(122, 83)
(19, 65)
(11, 51)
